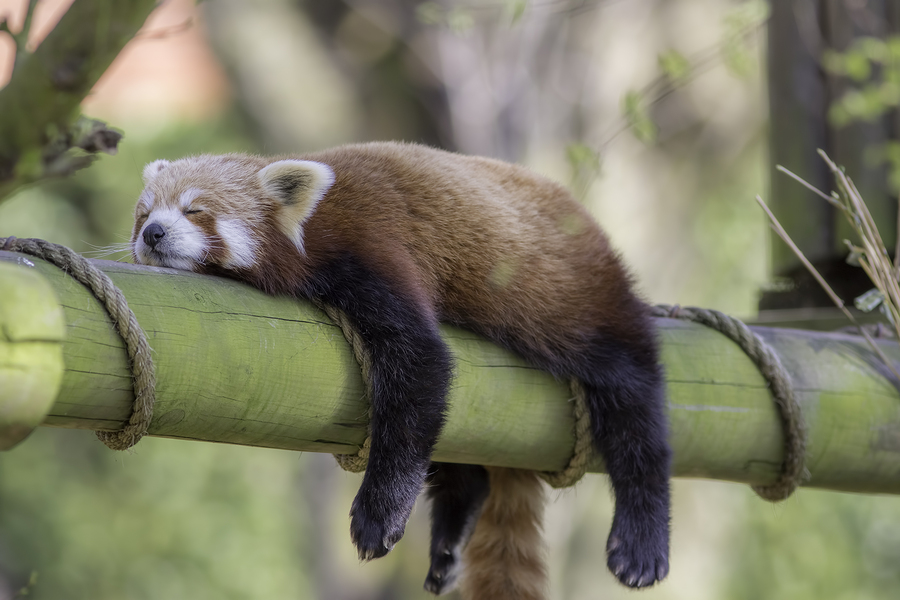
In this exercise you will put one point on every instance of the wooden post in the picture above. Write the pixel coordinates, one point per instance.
(800, 94)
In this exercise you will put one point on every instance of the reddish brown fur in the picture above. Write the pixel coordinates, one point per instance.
(544, 271)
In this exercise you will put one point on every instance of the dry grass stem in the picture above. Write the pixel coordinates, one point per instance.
(811, 188)
(834, 297)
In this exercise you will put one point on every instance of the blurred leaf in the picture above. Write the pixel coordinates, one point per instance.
(581, 155)
(855, 254)
(26, 590)
(460, 21)
(857, 66)
(675, 65)
(516, 10)
(430, 13)
(585, 164)
(738, 57)
(738, 53)
(872, 48)
(869, 301)
(638, 118)
(747, 14)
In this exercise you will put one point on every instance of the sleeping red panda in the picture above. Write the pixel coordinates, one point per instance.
(399, 237)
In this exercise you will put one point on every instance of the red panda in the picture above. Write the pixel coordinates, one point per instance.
(400, 237)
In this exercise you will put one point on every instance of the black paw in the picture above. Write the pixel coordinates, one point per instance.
(376, 526)
(443, 573)
(638, 553)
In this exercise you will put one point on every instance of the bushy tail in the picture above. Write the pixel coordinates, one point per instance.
(505, 556)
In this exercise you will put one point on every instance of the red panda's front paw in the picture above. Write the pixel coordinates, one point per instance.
(638, 557)
(375, 526)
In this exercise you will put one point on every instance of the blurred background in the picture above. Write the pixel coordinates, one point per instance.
(653, 111)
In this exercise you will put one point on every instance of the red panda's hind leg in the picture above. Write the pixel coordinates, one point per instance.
(624, 390)
(626, 401)
(457, 493)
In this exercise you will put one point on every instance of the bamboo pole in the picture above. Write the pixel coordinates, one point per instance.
(237, 366)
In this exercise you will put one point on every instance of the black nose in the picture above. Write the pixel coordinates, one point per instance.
(153, 233)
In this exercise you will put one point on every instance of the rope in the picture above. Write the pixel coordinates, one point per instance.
(142, 371)
(582, 450)
(793, 471)
(354, 463)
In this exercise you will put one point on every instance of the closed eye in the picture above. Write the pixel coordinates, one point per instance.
(193, 211)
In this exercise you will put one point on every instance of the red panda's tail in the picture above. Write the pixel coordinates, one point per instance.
(504, 559)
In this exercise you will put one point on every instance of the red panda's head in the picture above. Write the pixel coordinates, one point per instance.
(207, 212)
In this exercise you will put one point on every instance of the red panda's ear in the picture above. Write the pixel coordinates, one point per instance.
(298, 185)
(153, 169)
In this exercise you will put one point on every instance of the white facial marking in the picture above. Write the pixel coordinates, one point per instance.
(189, 196)
(184, 246)
(238, 241)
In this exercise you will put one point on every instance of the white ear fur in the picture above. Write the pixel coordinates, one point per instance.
(298, 185)
(153, 169)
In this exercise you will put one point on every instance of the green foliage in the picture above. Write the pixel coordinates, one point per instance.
(738, 54)
(637, 115)
(461, 19)
(515, 9)
(675, 65)
(736, 51)
(28, 587)
(97, 524)
(430, 13)
(458, 19)
(872, 68)
(585, 164)
(817, 546)
(888, 154)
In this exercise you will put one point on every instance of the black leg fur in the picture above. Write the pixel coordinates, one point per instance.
(410, 377)
(625, 394)
(457, 493)
(629, 426)
(624, 388)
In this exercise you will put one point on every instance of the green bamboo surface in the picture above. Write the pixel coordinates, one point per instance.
(237, 366)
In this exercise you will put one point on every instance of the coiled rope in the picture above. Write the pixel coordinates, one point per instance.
(112, 299)
(793, 471)
(144, 380)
